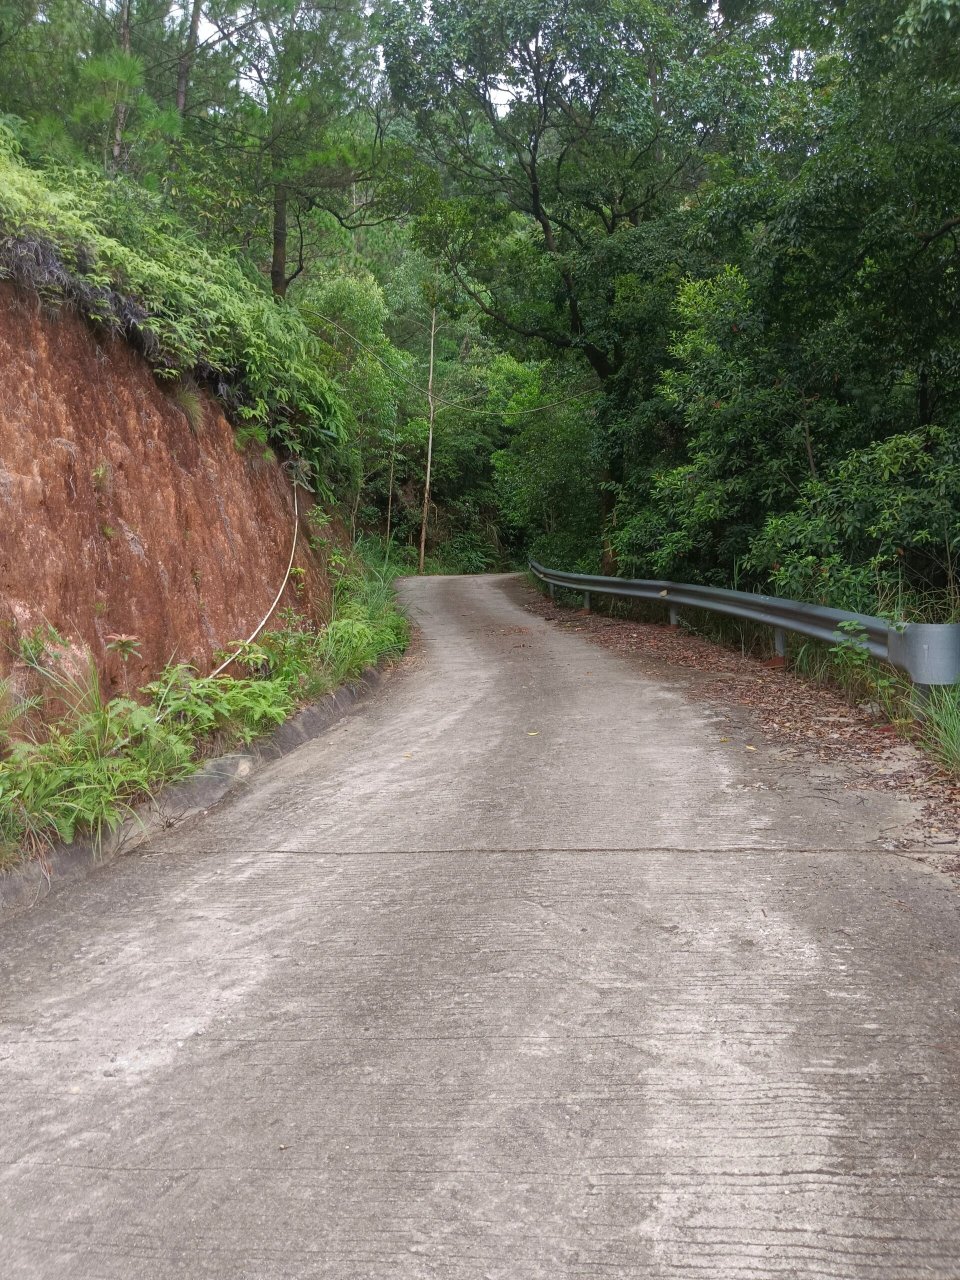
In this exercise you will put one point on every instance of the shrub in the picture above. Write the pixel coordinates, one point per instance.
(879, 533)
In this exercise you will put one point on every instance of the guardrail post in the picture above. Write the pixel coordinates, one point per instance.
(674, 616)
(929, 652)
(779, 642)
(586, 602)
(553, 590)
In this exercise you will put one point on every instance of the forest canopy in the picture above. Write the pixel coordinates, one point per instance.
(667, 289)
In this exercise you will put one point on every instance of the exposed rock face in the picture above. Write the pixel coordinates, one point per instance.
(118, 516)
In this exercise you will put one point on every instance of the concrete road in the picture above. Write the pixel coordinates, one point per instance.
(519, 973)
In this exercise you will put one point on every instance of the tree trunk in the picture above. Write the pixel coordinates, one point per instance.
(925, 398)
(185, 65)
(432, 409)
(608, 502)
(354, 509)
(811, 460)
(393, 458)
(278, 267)
(120, 110)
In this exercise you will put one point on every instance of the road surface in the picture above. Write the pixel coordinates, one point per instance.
(520, 972)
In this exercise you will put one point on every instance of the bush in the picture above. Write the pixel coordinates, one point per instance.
(878, 534)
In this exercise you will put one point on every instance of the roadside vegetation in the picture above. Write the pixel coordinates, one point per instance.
(73, 762)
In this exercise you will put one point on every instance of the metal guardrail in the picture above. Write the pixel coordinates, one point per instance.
(928, 652)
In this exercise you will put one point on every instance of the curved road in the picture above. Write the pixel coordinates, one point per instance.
(520, 972)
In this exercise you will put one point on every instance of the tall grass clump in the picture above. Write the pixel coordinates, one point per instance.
(82, 770)
(939, 716)
(365, 627)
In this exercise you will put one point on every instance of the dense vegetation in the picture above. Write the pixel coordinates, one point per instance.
(686, 277)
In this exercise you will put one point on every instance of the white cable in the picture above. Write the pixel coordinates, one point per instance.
(283, 586)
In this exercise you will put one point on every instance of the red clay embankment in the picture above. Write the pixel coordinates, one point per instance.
(118, 516)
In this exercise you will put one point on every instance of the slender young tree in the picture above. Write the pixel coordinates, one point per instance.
(431, 413)
(187, 56)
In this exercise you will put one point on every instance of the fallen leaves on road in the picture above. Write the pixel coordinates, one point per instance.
(786, 710)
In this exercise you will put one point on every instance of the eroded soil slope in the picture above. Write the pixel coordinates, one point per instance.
(120, 516)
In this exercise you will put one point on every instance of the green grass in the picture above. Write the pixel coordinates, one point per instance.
(82, 768)
(939, 714)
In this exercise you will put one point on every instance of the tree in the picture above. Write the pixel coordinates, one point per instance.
(431, 411)
(551, 126)
(298, 63)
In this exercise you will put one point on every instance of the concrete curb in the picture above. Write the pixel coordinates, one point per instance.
(25, 886)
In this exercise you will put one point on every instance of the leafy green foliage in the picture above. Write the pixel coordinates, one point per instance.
(744, 227)
(82, 771)
(880, 529)
(547, 472)
(202, 705)
(111, 250)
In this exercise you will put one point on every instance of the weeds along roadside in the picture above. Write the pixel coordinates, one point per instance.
(73, 762)
(930, 719)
